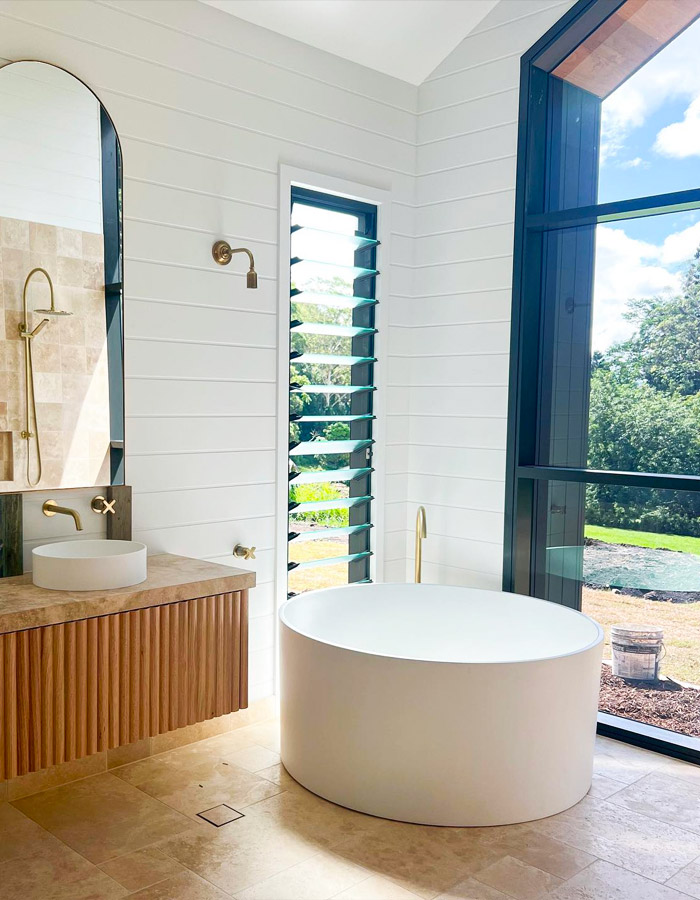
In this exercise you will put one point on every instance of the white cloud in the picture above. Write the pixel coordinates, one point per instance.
(627, 268)
(636, 163)
(681, 139)
(680, 247)
(672, 73)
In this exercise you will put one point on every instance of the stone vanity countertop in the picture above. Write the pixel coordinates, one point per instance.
(170, 579)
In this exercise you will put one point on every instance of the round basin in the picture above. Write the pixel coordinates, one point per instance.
(88, 565)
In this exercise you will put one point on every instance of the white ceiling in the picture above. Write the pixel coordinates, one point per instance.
(403, 38)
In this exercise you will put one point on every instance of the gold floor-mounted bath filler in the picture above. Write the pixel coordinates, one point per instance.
(421, 533)
(223, 254)
(29, 399)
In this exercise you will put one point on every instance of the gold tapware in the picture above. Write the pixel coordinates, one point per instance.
(30, 419)
(223, 254)
(101, 505)
(51, 508)
(421, 534)
(244, 552)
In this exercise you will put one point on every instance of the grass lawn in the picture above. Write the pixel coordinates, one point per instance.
(680, 622)
(644, 539)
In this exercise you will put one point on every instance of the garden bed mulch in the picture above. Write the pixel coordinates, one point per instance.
(665, 703)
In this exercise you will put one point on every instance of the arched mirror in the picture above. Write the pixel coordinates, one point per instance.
(61, 333)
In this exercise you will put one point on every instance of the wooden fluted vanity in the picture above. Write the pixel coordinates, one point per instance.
(86, 672)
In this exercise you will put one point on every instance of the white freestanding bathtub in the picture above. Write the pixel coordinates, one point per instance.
(439, 705)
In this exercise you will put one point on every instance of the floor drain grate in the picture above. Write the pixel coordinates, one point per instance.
(220, 815)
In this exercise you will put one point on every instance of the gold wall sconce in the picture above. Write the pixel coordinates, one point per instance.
(223, 254)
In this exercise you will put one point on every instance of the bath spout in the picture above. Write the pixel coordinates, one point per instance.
(421, 533)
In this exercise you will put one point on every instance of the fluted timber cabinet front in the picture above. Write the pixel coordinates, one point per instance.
(71, 689)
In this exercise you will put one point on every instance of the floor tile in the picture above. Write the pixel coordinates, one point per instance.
(186, 886)
(267, 734)
(279, 775)
(678, 769)
(688, 880)
(309, 817)
(623, 769)
(20, 836)
(471, 889)
(317, 878)
(102, 817)
(34, 865)
(622, 837)
(237, 857)
(546, 853)
(141, 869)
(603, 787)
(519, 880)
(603, 881)
(192, 779)
(254, 758)
(415, 857)
(376, 888)
(663, 797)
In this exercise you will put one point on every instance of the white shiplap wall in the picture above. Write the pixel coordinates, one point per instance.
(207, 107)
(451, 338)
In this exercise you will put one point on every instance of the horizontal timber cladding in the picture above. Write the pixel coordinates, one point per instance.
(70, 690)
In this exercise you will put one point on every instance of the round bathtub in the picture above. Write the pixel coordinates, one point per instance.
(439, 705)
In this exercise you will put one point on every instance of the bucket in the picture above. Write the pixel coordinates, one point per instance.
(637, 651)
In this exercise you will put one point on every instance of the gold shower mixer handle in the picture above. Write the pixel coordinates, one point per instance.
(244, 552)
(102, 506)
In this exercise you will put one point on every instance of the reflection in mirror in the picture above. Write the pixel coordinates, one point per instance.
(61, 393)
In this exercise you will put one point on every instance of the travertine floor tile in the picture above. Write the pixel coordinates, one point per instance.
(20, 836)
(102, 817)
(236, 857)
(663, 797)
(254, 758)
(141, 869)
(266, 734)
(688, 880)
(309, 817)
(191, 780)
(624, 838)
(603, 787)
(471, 889)
(317, 878)
(34, 865)
(186, 886)
(603, 881)
(519, 880)
(625, 770)
(546, 853)
(376, 888)
(279, 775)
(678, 769)
(415, 857)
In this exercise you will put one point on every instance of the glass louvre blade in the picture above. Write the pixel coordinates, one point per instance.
(320, 505)
(330, 388)
(318, 448)
(330, 418)
(337, 238)
(331, 359)
(307, 271)
(332, 330)
(341, 301)
(329, 561)
(329, 475)
(320, 533)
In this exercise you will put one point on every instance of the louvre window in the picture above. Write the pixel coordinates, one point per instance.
(331, 385)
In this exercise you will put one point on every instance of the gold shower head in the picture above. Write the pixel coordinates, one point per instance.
(223, 253)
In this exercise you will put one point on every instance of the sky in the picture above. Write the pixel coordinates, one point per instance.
(650, 145)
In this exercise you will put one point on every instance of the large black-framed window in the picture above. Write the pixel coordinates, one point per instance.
(331, 396)
(557, 214)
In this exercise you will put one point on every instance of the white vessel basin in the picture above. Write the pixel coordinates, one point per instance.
(88, 565)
